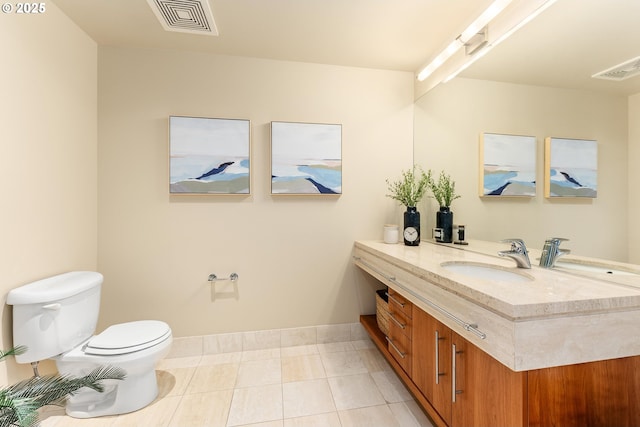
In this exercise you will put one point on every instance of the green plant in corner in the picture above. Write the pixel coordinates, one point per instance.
(20, 402)
(410, 189)
(444, 190)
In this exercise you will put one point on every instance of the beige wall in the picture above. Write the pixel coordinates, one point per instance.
(634, 179)
(48, 165)
(292, 254)
(449, 120)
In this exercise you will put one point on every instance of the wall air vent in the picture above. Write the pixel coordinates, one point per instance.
(620, 72)
(185, 16)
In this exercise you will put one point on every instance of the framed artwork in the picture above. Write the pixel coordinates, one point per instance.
(209, 156)
(306, 158)
(570, 167)
(507, 165)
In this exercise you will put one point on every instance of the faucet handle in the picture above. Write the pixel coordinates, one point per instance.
(515, 243)
(557, 240)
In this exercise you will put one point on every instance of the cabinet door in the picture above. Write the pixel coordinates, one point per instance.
(431, 353)
(605, 393)
(487, 393)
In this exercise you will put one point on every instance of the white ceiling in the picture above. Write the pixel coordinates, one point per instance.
(562, 47)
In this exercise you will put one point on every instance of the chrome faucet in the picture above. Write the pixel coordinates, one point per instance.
(518, 252)
(551, 252)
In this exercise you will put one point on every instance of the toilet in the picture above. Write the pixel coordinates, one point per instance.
(56, 318)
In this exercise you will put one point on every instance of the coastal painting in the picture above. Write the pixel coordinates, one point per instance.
(507, 165)
(571, 167)
(209, 156)
(306, 158)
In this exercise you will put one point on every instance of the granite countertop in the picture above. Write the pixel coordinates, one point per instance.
(549, 293)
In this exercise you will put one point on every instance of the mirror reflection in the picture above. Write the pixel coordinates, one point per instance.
(539, 83)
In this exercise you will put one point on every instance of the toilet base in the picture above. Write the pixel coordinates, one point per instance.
(118, 397)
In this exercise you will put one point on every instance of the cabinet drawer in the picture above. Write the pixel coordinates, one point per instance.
(399, 303)
(400, 321)
(400, 348)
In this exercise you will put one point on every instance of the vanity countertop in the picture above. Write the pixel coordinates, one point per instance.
(549, 293)
(556, 318)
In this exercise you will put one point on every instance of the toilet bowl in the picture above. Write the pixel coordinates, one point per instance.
(135, 347)
(56, 317)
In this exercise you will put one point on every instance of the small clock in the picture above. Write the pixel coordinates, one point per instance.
(411, 236)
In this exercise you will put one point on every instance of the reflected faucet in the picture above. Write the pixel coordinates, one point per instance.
(551, 252)
(518, 252)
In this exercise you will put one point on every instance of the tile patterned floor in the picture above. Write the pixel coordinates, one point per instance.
(341, 384)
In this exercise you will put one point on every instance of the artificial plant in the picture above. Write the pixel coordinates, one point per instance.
(410, 189)
(444, 190)
(19, 403)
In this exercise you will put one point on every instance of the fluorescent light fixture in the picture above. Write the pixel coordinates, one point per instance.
(476, 26)
(500, 39)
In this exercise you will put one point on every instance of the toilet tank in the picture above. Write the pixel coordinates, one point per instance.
(53, 315)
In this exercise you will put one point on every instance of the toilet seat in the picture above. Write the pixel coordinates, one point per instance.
(128, 337)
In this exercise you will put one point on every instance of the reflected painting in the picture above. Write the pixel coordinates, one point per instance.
(507, 165)
(209, 156)
(571, 167)
(306, 158)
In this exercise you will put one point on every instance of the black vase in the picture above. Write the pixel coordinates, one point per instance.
(411, 230)
(444, 220)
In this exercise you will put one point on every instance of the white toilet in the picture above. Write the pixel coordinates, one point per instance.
(56, 318)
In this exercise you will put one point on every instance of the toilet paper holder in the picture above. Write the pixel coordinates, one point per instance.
(213, 278)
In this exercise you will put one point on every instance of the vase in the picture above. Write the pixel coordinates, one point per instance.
(411, 230)
(444, 221)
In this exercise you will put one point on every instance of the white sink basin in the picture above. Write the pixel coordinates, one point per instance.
(591, 268)
(485, 271)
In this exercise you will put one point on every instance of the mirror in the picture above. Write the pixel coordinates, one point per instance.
(538, 83)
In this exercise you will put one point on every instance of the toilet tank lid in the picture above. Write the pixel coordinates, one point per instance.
(54, 288)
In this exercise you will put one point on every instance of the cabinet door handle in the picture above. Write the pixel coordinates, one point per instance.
(401, 354)
(396, 321)
(454, 392)
(438, 373)
(401, 304)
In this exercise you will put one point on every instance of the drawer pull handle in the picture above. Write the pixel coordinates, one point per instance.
(401, 304)
(454, 391)
(401, 354)
(397, 322)
(438, 373)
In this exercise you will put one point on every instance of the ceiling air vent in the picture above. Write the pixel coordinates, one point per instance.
(185, 16)
(622, 71)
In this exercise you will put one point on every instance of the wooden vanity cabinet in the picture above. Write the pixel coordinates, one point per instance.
(431, 352)
(487, 393)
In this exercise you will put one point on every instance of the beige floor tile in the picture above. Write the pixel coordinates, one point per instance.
(301, 350)
(256, 405)
(174, 382)
(343, 363)
(378, 416)
(213, 377)
(409, 414)
(333, 347)
(203, 410)
(269, 353)
(307, 398)
(277, 423)
(179, 362)
(355, 391)
(220, 358)
(391, 387)
(362, 344)
(300, 368)
(158, 414)
(259, 372)
(373, 360)
(330, 419)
